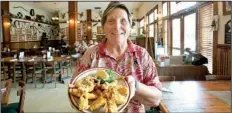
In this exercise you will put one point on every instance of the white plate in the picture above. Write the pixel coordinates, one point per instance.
(74, 100)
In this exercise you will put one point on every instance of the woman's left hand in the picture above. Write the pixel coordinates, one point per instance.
(131, 82)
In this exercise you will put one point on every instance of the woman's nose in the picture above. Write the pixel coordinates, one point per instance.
(117, 25)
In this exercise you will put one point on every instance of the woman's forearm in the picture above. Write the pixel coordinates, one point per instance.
(148, 95)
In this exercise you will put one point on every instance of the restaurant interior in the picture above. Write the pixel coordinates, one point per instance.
(190, 43)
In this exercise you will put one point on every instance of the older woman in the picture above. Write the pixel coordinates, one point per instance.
(121, 55)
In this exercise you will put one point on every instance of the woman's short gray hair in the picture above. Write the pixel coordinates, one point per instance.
(114, 5)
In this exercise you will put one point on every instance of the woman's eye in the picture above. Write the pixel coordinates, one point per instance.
(124, 21)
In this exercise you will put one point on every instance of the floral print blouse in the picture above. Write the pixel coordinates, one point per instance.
(136, 62)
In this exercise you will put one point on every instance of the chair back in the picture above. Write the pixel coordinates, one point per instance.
(6, 94)
(21, 93)
(217, 77)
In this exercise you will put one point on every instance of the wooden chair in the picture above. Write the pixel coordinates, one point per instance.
(34, 68)
(16, 107)
(67, 65)
(4, 72)
(217, 77)
(52, 68)
(6, 93)
(21, 93)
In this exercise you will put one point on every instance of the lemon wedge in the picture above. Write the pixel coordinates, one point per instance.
(102, 74)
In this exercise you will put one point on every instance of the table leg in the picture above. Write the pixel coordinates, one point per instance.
(14, 77)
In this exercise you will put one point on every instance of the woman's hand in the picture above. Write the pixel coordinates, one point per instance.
(131, 81)
(148, 95)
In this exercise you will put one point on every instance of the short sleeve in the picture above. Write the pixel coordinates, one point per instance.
(149, 69)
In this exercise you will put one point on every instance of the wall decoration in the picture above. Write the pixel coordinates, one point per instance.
(32, 12)
(23, 31)
(18, 31)
(12, 31)
(34, 37)
(21, 8)
(228, 32)
(35, 29)
(99, 30)
(62, 31)
(226, 8)
(14, 38)
(20, 15)
(21, 37)
(28, 37)
(28, 31)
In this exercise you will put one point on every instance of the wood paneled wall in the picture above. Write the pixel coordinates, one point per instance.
(30, 44)
(223, 60)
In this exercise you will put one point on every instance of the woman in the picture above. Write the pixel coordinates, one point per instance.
(121, 55)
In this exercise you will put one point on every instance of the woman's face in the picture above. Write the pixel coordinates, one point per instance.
(117, 26)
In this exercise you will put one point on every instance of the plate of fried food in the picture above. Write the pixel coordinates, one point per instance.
(99, 90)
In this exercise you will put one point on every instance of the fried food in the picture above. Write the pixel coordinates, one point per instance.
(93, 93)
(75, 92)
(111, 107)
(83, 102)
(97, 103)
(122, 90)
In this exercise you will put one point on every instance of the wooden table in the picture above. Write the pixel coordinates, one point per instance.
(26, 59)
(192, 96)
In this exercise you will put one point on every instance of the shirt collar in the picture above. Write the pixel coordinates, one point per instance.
(131, 46)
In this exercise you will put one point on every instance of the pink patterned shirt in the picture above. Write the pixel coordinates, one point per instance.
(136, 62)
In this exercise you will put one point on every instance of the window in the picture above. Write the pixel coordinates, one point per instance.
(141, 23)
(165, 36)
(190, 32)
(177, 6)
(141, 26)
(156, 14)
(206, 34)
(151, 18)
(151, 30)
(176, 37)
(165, 9)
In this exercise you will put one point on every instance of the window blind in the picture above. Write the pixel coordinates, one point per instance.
(205, 32)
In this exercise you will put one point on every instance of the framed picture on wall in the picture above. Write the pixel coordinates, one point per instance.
(34, 37)
(18, 31)
(226, 8)
(13, 38)
(99, 30)
(21, 37)
(228, 32)
(28, 31)
(23, 31)
(28, 37)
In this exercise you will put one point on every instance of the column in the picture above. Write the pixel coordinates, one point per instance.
(73, 18)
(5, 24)
(89, 25)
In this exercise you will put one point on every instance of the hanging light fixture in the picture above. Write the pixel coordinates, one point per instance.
(56, 14)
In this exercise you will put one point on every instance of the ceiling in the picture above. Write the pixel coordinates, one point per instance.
(82, 6)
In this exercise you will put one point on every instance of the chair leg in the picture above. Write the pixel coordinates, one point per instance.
(67, 72)
(44, 80)
(34, 79)
(55, 80)
(71, 68)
